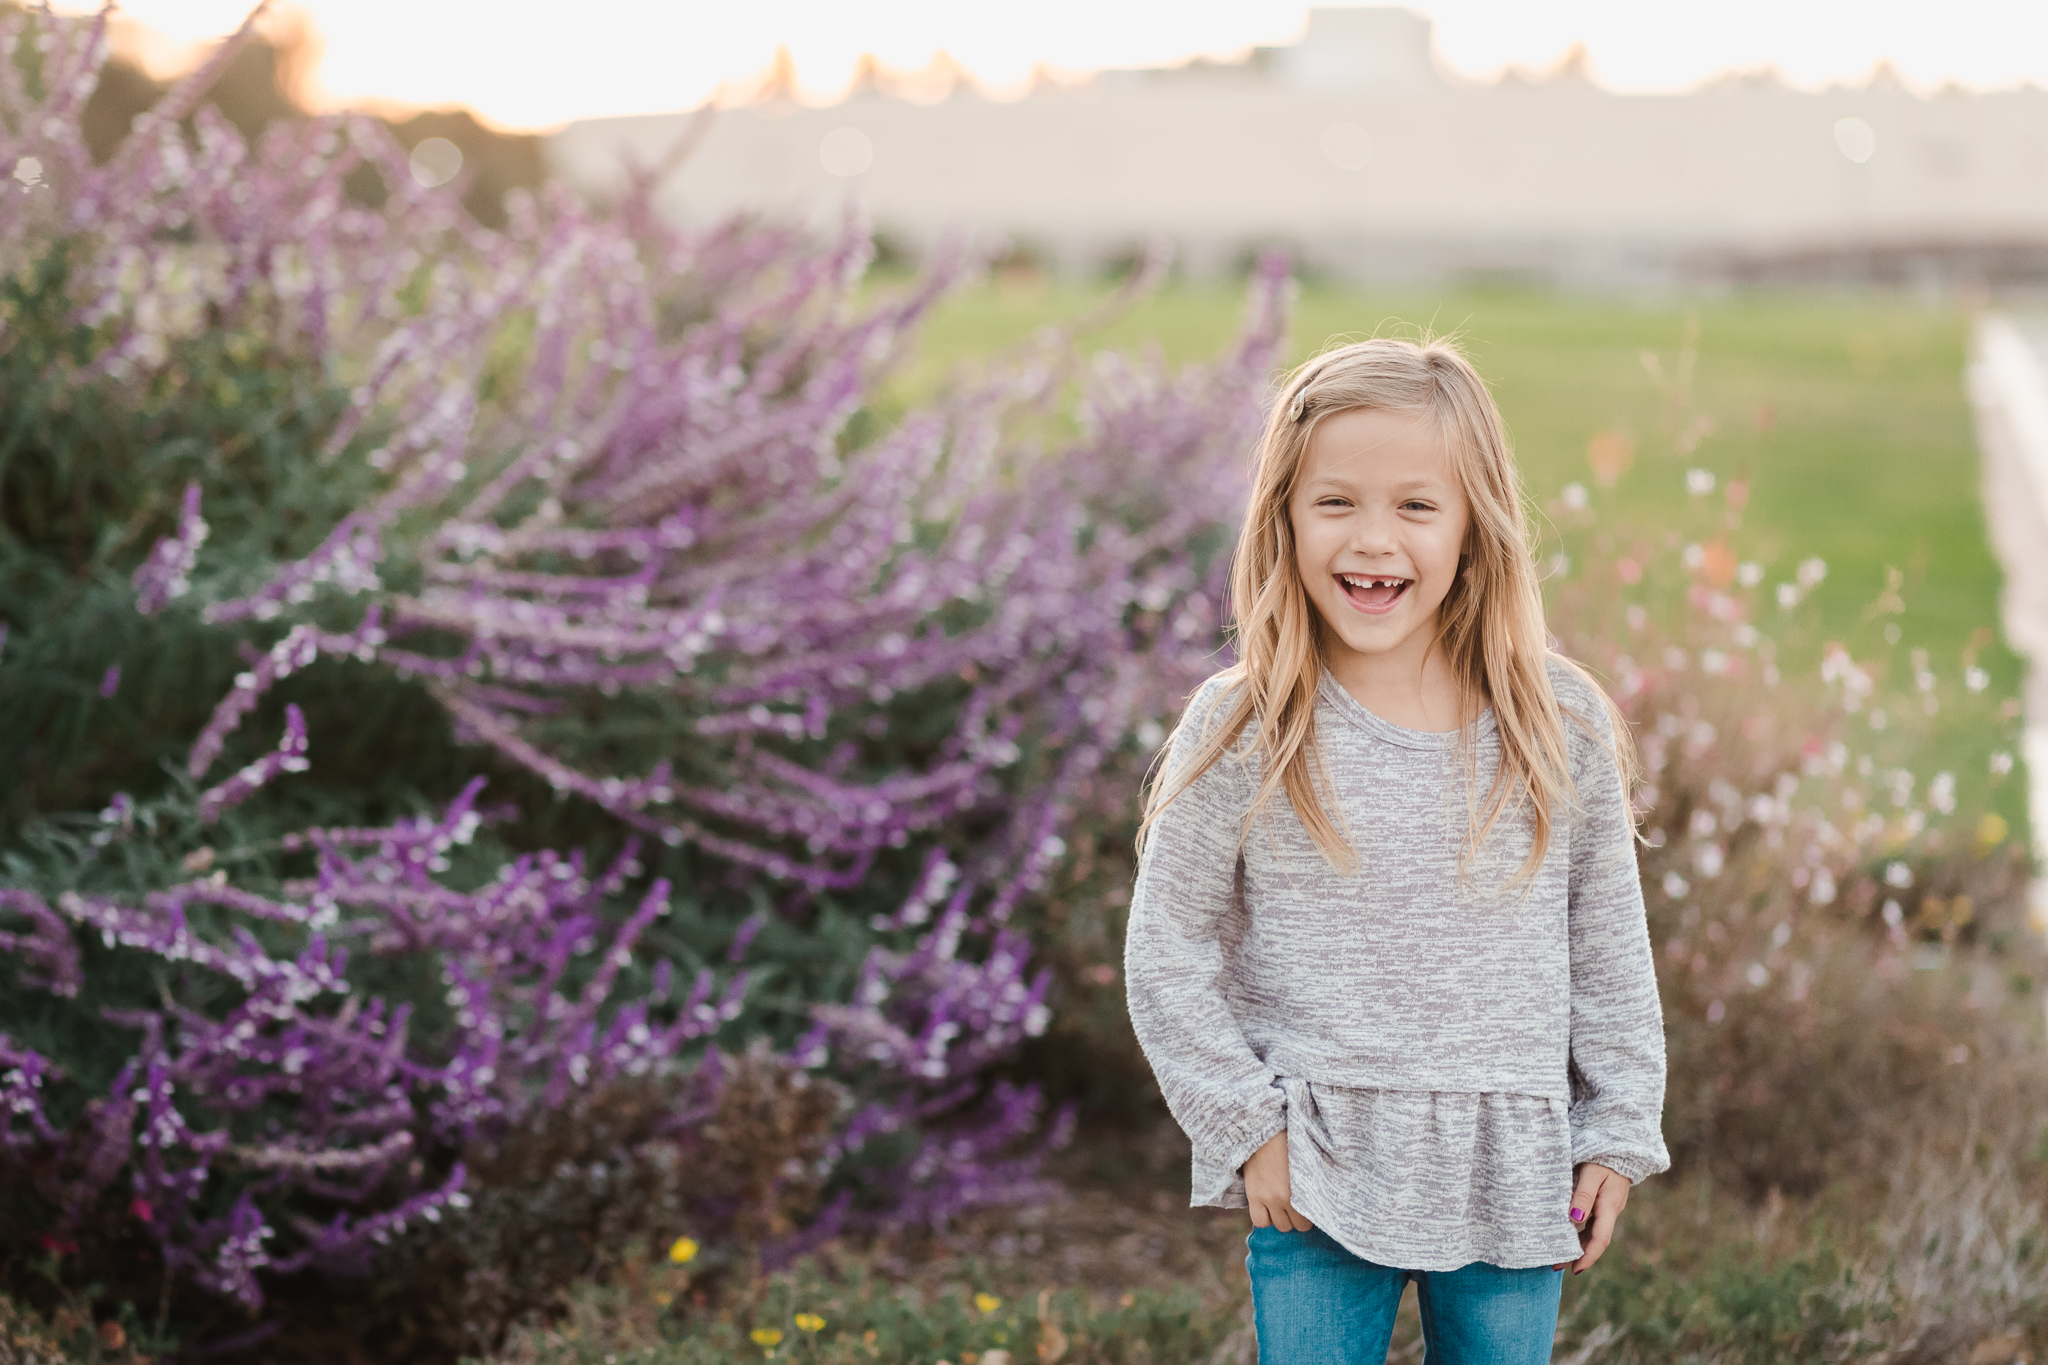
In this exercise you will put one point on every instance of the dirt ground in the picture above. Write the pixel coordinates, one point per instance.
(1124, 1224)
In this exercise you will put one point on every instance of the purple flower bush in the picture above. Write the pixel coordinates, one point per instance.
(363, 1100)
(644, 517)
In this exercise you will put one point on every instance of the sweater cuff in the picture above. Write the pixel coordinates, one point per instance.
(1632, 1167)
(1259, 1130)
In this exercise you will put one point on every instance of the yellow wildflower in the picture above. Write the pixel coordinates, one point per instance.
(987, 1303)
(1992, 829)
(766, 1336)
(663, 1297)
(684, 1251)
(810, 1322)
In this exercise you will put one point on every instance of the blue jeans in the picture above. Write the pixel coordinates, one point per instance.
(1314, 1303)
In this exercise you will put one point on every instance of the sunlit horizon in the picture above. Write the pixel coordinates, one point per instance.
(525, 67)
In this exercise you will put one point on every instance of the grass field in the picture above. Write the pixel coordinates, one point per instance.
(1845, 413)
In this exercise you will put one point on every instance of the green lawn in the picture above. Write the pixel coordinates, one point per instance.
(1845, 413)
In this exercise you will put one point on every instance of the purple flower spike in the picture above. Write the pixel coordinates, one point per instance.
(110, 681)
(288, 757)
(167, 574)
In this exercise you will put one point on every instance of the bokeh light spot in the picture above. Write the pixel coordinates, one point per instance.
(1856, 138)
(436, 161)
(846, 152)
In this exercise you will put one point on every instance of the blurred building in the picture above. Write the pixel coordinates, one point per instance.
(1355, 149)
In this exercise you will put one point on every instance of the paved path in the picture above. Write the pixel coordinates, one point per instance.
(2009, 386)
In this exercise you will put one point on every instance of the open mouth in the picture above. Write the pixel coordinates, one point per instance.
(1373, 593)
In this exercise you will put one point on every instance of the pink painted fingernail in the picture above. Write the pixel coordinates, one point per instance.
(1578, 1215)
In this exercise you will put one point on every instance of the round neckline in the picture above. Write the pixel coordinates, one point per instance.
(1356, 711)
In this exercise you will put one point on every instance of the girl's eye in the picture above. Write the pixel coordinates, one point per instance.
(1412, 506)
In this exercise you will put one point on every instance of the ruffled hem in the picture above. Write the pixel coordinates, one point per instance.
(1425, 1180)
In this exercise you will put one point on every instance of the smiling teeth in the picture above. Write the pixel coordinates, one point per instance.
(1355, 581)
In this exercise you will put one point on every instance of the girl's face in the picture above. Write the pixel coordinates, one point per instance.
(1379, 522)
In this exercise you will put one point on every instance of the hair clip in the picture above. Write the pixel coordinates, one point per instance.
(1300, 402)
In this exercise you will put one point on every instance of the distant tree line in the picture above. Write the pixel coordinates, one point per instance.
(255, 90)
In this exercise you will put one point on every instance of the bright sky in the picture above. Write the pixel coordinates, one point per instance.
(524, 64)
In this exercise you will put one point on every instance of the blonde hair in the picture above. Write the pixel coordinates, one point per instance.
(1489, 625)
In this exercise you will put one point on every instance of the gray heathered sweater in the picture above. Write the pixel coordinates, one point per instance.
(1440, 1053)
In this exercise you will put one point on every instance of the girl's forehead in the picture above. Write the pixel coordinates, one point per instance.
(1376, 444)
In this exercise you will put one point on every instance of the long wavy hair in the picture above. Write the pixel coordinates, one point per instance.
(1489, 626)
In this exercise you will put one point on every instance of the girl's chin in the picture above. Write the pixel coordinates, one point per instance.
(1368, 632)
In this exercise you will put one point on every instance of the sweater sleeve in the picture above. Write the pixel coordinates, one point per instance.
(1224, 1097)
(1617, 1024)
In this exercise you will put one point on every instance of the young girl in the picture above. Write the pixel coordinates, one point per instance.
(1387, 953)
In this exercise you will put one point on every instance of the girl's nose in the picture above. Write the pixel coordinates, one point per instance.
(1373, 534)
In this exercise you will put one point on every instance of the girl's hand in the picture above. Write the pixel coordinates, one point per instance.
(1597, 1202)
(1267, 1190)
